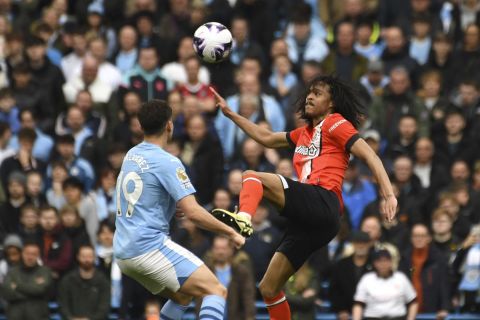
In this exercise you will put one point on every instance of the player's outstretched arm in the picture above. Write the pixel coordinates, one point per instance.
(262, 135)
(203, 219)
(388, 203)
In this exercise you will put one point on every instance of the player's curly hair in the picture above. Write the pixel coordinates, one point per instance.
(344, 98)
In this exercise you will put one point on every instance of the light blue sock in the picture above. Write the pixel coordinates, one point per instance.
(213, 308)
(172, 311)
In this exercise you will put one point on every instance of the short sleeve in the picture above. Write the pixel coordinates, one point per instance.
(410, 294)
(293, 136)
(343, 133)
(361, 292)
(175, 180)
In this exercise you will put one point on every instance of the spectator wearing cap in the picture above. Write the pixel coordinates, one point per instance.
(23, 160)
(347, 272)
(76, 166)
(43, 145)
(343, 59)
(425, 265)
(26, 287)
(357, 193)
(10, 210)
(384, 293)
(374, 81)
(127, 54)
(12, 250)
(46, 76)
(98, 28)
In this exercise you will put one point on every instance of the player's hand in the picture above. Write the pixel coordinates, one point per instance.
(388, 207)
(221, 103)
(237, 239)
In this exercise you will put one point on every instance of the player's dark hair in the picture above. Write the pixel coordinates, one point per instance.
(153, 116)
(344, 98)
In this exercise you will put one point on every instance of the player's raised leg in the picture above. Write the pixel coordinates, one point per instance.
(255, 186)
(277, 274)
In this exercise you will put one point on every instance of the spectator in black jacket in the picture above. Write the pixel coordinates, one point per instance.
(26, 287)
(425, 265)
(10, 210)
(23, 160)
(347, 272)
(84, 293)
(202, 152)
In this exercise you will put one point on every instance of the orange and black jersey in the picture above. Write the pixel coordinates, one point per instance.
(322, 152)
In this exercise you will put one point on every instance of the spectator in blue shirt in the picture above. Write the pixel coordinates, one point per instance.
(8, 109)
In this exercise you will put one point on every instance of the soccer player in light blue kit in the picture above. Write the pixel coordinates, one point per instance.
(151, 185)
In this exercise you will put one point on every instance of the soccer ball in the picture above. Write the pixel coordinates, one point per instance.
(212, 42)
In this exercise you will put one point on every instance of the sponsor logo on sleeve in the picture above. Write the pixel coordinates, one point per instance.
(183, 178)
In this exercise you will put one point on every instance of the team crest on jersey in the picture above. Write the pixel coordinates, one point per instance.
(183, 178)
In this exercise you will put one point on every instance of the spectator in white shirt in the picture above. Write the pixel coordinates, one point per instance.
(384, 293)
(107, 72)
(73, 61)
(175, 71)
(88, 80)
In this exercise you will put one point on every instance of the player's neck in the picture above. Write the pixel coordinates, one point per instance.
(319, 119)
(160, 141)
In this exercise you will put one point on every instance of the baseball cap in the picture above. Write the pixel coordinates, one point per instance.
(17, 176)
(12, 240)
(371, 134)
(96, 7)
(375, 66)
(382, 253)
(359, 236)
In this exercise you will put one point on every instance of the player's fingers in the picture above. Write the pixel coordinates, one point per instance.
(215, 93)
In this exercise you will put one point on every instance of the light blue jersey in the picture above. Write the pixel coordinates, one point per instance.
(149, 185)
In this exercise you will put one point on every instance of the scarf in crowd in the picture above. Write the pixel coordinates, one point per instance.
(471, 270)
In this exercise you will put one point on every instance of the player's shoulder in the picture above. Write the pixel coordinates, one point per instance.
(334, 121)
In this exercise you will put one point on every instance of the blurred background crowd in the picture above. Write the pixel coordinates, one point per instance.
(74, 73)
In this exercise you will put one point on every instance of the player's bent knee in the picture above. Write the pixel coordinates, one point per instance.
(268, 291)
(219, 290)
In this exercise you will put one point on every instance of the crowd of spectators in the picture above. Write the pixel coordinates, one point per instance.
(74, 73)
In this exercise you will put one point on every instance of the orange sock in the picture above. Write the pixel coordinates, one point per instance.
(251, 194)
(278, 307)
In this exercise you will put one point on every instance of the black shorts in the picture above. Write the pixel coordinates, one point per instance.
(313, 215)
